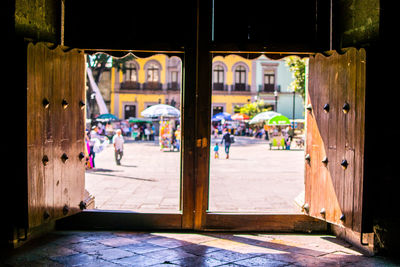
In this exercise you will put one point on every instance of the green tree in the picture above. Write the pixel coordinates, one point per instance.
(253, 108)
(99, 62)
(298, 68)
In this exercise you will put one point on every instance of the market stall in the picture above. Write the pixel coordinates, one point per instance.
(168, 117)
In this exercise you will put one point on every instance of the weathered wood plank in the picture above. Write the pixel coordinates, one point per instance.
(359, 142)
(337, 134)
(349, 62)
(276, 223)
(54, 75)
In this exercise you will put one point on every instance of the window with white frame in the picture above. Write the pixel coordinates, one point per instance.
(218, 77)
(240, 78)
(153, 73)
(269, 80)
(131, 72)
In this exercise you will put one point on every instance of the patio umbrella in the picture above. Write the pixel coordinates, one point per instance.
(221, 116)
(106, 117)
(161, 110)
(240, 117)
(263, 116)
(279, 120)
(136, 120)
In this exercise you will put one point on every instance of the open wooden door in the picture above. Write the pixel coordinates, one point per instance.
(335, 139)
(56, 127)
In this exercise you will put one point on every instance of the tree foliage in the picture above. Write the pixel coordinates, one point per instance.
(253, 108)
(99, 62)
(298, 68)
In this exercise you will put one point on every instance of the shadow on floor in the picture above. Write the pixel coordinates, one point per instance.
(125, 248)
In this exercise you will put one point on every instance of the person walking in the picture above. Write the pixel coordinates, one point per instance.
(178, 137)
(227, 139)
(216, 149)
(147, 133)
(94, 137)
(118, 141)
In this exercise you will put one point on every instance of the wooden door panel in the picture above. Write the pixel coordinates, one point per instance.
(334, 188)
(54, 130)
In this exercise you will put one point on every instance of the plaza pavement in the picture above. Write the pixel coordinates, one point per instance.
(253, 179)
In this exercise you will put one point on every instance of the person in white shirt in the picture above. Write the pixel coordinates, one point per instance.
(94, 138)
(118, 141)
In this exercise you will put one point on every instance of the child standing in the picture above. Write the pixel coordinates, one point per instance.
(216, 148)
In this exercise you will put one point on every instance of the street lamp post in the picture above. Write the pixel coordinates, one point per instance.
(294, 103)
(276, 100)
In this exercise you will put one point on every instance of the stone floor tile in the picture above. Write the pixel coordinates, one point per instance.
(193, 238)
(72, 239)
(141, 248)
(137, 236)
(117, 241)
(301, 259)
(137, 261)
(164, 264)
(343, 257)
(99, 235)
(199, 249)
(85, 247)
(167, 242)
(260, 261)
(54, 251)
(231, 265)
(305, 260)
(94, 248)
(113, 253)
(169, 254)
(198, 261)
(75, 260)
(101, 263)
(228, 256)
(223, 244)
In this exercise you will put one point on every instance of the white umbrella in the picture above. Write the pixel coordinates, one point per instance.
(161, 110)
(263, 116)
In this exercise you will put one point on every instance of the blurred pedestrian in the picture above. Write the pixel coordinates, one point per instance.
(290, 132)
(216, 149)
(227, 139)
(178, 138)
(93, 137)
(118, 141)
(147, 133)
(152, 132)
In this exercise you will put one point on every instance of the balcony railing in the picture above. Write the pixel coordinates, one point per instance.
(152, 86)
(219, 87)
(240, 87)
(173, 86)
(269, 88)
(130, 85)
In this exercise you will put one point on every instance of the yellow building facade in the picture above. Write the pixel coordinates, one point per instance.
(146, 82)
(158, 79)
(232, 78)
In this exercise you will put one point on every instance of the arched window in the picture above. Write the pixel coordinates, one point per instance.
(131, 80)
(218, 77)
(240, 75)
(153, 73)
(131, 72)
(240, 78)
